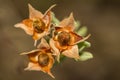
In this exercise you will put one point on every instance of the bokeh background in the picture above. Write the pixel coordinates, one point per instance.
(102, 17)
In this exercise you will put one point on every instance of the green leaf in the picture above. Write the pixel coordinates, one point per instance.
(82, 31)
(82, 48)
(55, 20)
(85, 56)
(87, 44)
(77, 25)
(83, 45)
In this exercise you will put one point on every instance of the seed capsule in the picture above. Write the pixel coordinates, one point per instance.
(39, 26)
(64, 38)
(43, 60)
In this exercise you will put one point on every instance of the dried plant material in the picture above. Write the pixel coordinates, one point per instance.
(55, 50)
(68, 23)
(65, 39)
(40, 59)
(61, 36)
(38, 24)
(72, 53)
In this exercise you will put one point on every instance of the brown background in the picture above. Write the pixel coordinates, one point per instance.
(102, 17)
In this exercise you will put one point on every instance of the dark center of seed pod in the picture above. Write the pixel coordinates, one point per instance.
(39, 26)
(64, 38)
(43, 60)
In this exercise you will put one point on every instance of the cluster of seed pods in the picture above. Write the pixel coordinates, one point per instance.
(63, 39)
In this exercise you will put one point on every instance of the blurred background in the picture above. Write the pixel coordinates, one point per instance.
(102, 17)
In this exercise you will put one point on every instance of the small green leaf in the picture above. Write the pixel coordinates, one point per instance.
(85, 56)
(81, 49)
(82, 31)
(80, 44)
(87, 44)
(55, 20)
(77, 25)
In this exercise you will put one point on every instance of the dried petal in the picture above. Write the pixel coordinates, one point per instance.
(85, 38)
(29, 31)
(49, 73)
(55, 50)
(72, 53)
(47, 19)
(50, 9)
(75, 38)
(38, 36)
(32, 55)
(68, 23)
(33, 13)
(43, 44)
(47, 15)
(31, 52)
(33, 66)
